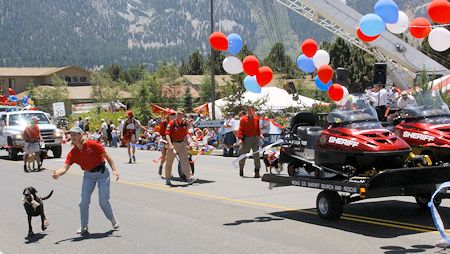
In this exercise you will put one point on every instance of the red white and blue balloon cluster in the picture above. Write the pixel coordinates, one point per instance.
(388, 16)
(257, 76)
(314, 58)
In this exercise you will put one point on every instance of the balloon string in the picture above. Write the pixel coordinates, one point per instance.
(432, 26)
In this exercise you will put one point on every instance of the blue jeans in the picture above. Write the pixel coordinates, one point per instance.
(89, 182)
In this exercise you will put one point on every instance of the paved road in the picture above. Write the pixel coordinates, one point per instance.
(223, 213)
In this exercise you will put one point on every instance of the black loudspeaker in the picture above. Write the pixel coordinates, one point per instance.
(343, 76)
(379, 73)
(290, 88)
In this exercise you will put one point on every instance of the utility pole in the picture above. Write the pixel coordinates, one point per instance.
(213, 83)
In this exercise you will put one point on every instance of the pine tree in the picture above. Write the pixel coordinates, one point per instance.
(143, 98)
(195, 64)
(187, 99)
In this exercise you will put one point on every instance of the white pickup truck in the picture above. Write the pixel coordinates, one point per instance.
(12, 126)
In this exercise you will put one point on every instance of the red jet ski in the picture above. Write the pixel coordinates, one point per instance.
(356, 139)
(425, 126)
(354, 143)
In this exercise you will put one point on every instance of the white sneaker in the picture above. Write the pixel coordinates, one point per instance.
(192, 180)
(83, 230)
(115, 223)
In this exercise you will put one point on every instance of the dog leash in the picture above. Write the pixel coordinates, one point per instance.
(247, 155)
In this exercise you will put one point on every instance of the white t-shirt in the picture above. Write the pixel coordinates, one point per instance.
(232, 123)
(103, 128)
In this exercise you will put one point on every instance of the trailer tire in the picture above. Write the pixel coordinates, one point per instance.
(329, 205)
(423, 200)
(291, 169)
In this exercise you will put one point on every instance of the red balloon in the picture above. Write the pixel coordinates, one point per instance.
(3, 100)
(420, 27)
(309, 47)
(11, 91)
(325, 73)
(219, 41)
(251, 65)
(364, 37)
(439, 11)
(336, 92)
(264, 76)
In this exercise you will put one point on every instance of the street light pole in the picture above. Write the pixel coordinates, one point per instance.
(213, 83)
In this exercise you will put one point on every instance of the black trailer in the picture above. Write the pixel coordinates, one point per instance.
(419, 182)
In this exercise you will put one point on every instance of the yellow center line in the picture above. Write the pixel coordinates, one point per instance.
(348, 217)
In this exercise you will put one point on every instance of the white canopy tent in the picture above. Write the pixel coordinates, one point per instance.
(277, 99)
(442, 84)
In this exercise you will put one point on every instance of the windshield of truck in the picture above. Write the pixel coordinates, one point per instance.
(428, 104)
(356, 109)
(24, 119)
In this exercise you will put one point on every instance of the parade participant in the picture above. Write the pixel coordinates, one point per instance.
(130, 128)
(264, 125)
(406, 100)
(90, 156)
(162, 131)
(230, 135)
(32, 136)
(249, 134)
(176, 136)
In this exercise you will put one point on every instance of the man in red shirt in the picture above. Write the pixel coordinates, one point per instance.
(90, 155)
(249, 134)
(162, 131)
(32, 136)
(176, 136)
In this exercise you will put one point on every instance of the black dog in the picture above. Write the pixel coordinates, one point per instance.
(34, 207)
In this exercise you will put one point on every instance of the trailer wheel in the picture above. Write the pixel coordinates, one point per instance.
(291, 169)
(423, 200)
(329, 205)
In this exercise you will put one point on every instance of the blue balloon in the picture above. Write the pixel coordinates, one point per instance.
(251, 84)
(387, 10)
(25, 100)
(234, 43)
(322, 86)
(13, 98)
(305, 63)
(371, 25)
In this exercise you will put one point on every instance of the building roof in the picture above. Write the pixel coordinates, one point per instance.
(32, 71)
(83, 93)
(221, 80)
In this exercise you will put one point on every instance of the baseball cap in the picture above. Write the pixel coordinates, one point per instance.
(404, 92)
(181, 110)
(35, 118)
(75, 130)
(129, 113)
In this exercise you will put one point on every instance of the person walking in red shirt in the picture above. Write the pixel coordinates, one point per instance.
(162, 131)
(32, 136)
(249, 134)
(91, 156)
(176, 136)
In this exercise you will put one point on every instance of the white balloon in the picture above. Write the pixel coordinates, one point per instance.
(232, 65)
(321, 58)
(439, 39)
(401, 25)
